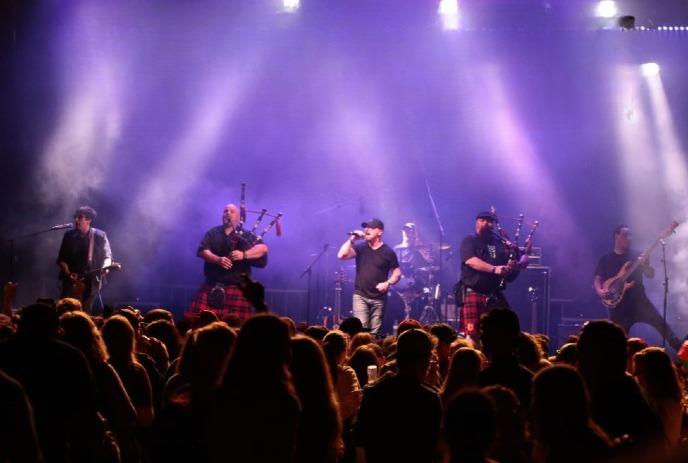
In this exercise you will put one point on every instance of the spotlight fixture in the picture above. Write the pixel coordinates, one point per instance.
(606, 9)
(290, 5)
(449, 14)
(627, 22)
(649, 69)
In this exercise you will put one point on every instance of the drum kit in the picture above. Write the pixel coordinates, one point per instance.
(419, 287)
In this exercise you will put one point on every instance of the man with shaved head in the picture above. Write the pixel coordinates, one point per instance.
(228, 252)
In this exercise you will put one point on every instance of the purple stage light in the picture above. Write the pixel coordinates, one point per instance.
(649, 69)
(606, 9)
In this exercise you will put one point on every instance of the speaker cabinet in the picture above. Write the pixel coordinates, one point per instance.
(529, 297)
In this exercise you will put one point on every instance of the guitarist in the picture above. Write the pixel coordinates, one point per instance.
(635, 307)
(83, 249)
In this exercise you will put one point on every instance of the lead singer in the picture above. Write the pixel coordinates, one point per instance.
(374, 263)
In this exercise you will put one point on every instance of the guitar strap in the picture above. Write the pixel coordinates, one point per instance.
(91, 240)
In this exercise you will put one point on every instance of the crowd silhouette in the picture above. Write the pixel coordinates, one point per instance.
(129, 387)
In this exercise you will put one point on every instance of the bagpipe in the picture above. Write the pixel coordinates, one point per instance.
(249, 238)
(519, 256)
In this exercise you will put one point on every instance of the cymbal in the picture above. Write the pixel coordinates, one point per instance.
(431, 246)
(430, 268)
(442, 246)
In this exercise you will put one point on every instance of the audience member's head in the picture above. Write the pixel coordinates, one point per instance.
(158, 313)
(656, 374)
(529, 353)
(633, 346)
(444, 333)
(361, 359)
(205, 354)
(360, 339)
(320, 428)
(316, 332)
(39, 321)
(351, 326)
(561, 416)
(458, 343)
(165, 331)
(470, 425)
(261, 355)
(568, 353)
(133, 315)
(120, 339)
(500, 330)
(601, 351)
(464, 368)
(203, 318)
(414, 349)
(509, 444)
(290, 324)
(79, 331)
(335, 345)
(409, 324)
(68, 304)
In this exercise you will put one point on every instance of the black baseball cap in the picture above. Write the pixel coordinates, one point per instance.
(373, 223)
(486, 215)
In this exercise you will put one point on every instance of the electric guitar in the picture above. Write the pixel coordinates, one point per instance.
(615, 287)
(77, 286)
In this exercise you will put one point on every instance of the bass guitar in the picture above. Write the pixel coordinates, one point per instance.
(77, 286)
(615, 288)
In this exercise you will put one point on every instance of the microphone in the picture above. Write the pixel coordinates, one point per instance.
(357, 234)
(62, 226)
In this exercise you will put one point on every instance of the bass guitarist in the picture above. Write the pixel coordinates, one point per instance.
(83, 250)
(634, 307)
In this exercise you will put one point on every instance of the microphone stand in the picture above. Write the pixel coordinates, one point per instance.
(309, 271)
(666, 292)
(441, 231)
(13, 257)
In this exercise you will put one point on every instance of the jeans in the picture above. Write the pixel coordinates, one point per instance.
(370, 311)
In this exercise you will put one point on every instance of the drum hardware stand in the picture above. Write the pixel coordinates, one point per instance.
(430, 311)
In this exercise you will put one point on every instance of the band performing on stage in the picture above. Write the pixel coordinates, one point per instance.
(411, 271)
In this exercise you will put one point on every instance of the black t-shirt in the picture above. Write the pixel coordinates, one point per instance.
(489, 250)
(373, 267)
(221, 244)
(610, 264)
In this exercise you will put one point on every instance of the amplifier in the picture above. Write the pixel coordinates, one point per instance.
(529, 297)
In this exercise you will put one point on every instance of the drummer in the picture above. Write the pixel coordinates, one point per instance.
(413, 254)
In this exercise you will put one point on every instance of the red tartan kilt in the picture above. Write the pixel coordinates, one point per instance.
(235, 303)
(474, 305)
